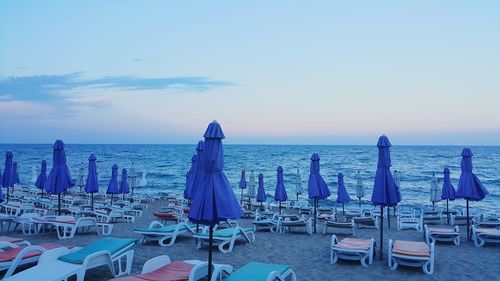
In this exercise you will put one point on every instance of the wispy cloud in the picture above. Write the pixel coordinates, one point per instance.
(48, 88)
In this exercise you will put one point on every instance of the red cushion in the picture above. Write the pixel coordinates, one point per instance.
(11, 254)
(165, 215)
(176, 271)
(11, 239)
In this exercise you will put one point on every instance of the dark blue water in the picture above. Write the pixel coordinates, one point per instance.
(166, 165)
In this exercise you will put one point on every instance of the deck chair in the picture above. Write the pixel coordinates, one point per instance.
(288, 224)
(164, 234)
(261, 223)
(409, 253)
(255, 271)
(13, 256)
(410, 223)
(225, 238)
(343, 225)
(66, 226)
(366, 222)
(433, 234)
(63, 263)
(13, 240)
(482, 235)
(162, 268)
(352, 249)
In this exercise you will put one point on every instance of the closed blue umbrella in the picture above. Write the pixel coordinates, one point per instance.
(470, 187)
(448, 191)
(7, 179)
(113, 183)
(132, 178)
(42, 177)
(316, 187)
(124, 186)
(243, 183)
(195, 182)
(280, 192)
(342, 195)
(261, 193)
(190, 177)
(92, 184)
(59, 178)
(384, 189)
(213, 197)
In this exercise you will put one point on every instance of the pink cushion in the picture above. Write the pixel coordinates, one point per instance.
(176, 271)
(11, 254)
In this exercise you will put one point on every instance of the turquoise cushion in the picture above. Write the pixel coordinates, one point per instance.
(256, 271)
(167, 228)
(226, 232)
(113, 245)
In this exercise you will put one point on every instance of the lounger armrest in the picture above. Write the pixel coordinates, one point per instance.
(16, 261)
(155, 263)
(335, 241)
(9, 245)
(154, 224)
(199, 271)
(221, 271)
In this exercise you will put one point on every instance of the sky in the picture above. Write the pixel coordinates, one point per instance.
(271, 72)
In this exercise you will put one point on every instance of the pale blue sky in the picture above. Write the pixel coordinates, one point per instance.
(325, 72)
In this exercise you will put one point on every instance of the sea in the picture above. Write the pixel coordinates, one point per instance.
(165, 167)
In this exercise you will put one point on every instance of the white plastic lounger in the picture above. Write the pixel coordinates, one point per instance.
(265, 224)
(409, 253)
(255, 271)
(225, 238)
(410, 223)
(12, 255)
(335, 224)
(433, 234)
(162, 233)
(288, 224)
(13, 240)
(482, 235)
(352, 249)
(161, 268)
(66, 226)
(62, 263)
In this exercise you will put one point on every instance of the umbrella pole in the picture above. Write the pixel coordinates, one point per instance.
(468, 230)
(315, 212)
(59, 203)
(359, 201)
(241, 198)
(388, 217)
(381, 232)
(112, 199)
(279, 209)
(433, 205)
(447, 212)
(343, 211)
(210, 238)
(7, 194)
(297, 197)
(92, 200)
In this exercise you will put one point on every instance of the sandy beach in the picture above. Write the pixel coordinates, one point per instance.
(307, 255)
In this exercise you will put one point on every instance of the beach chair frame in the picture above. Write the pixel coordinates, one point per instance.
(364, 256)
(167, 238)
(434, 236)
(224, 244)
(427, 263)
(481, 238)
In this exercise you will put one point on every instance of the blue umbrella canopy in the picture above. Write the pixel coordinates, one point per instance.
(113, 183)
(280, 192)
(92, 184)
(316, 188)
(243, 180)
(197, 175)
(469, 185)
(15, 173)
(190, 177)
(7, 179)
(384, 189)
(448, 191)
(124, 187)
(261, 193)
(342, 195)
(42, 177)
(213, 199)
(59, 178)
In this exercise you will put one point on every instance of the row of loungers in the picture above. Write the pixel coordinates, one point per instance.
(56, 262)
(224, 238)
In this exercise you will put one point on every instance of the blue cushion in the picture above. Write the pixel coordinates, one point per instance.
(112, 245)
(256, 271)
